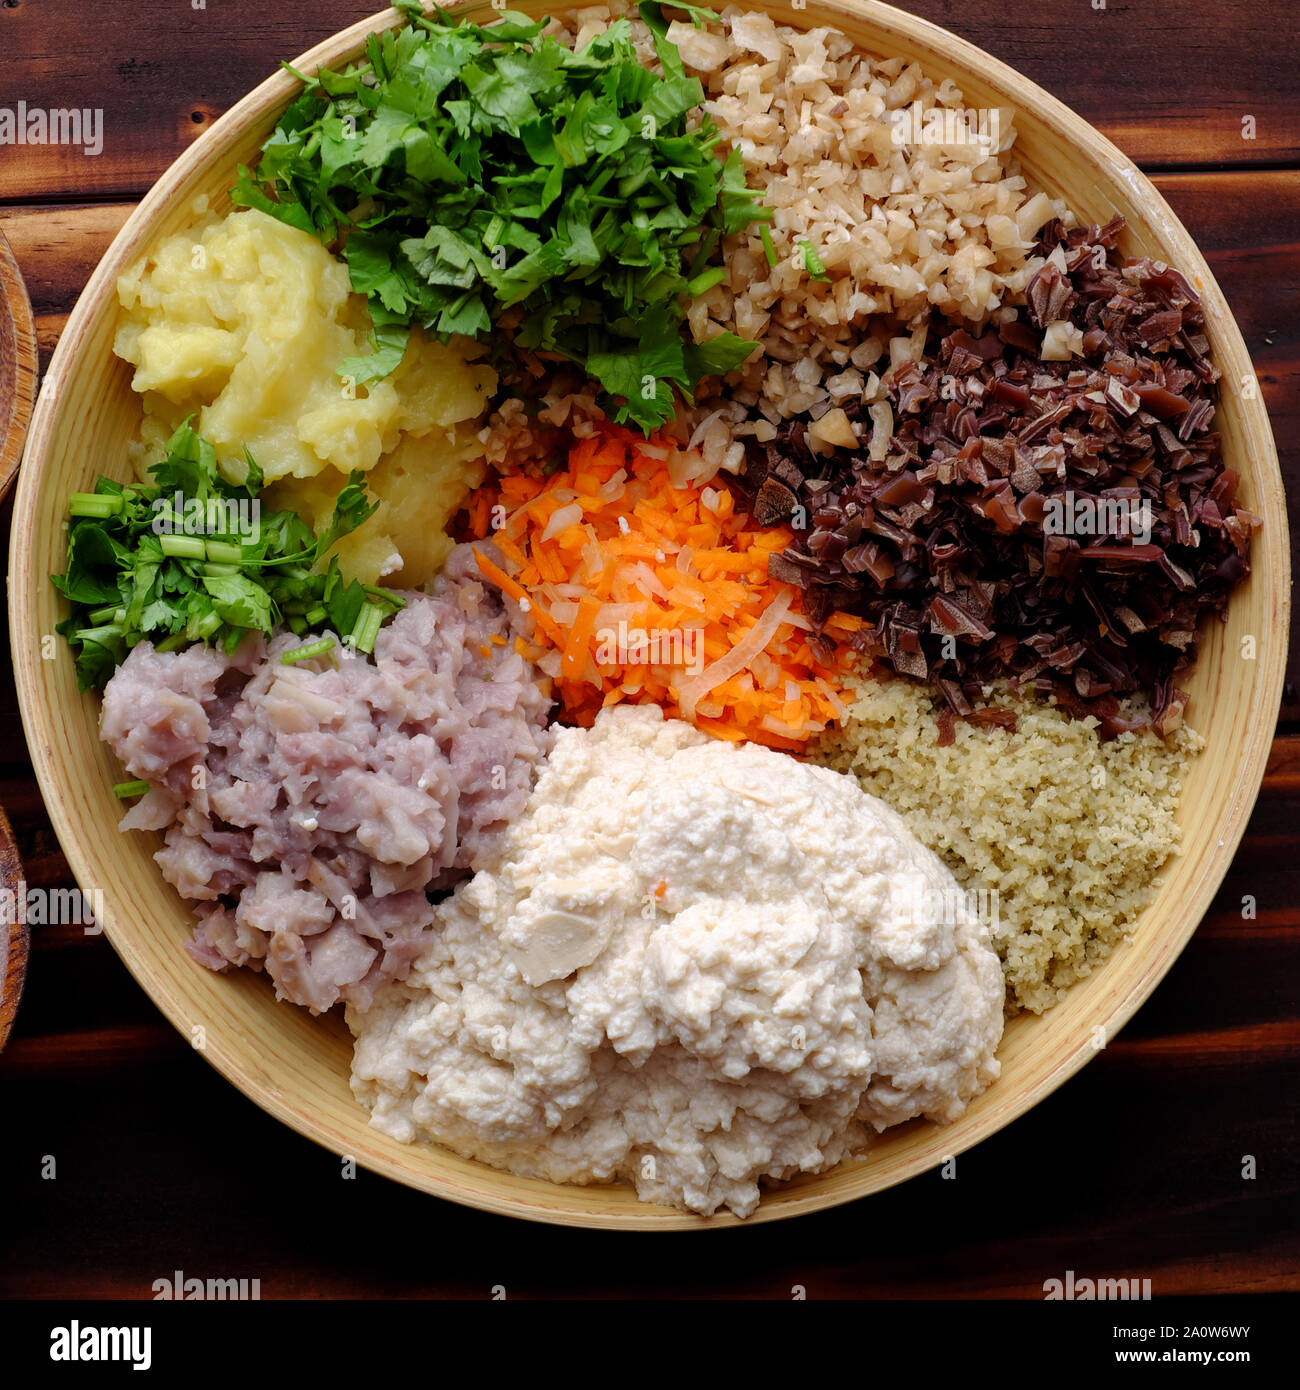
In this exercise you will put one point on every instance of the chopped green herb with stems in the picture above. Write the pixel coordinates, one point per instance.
(705, 281)
(294, 655)
(91, 504)
(124, 789)
(469, 173)
(812, 262)
(768, 249)
(129, 579)
(190, 547)
(365, 630)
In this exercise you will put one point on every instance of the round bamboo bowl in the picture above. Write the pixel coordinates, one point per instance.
(18, 364)
(14, 939)
(296, 1067)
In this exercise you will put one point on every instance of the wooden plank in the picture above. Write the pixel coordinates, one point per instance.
(170, 1185)
(88, 1052)
(161, 71)
(58, 247)
(1169, 81)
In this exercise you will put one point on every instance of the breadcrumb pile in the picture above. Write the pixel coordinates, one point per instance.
(1069, 831)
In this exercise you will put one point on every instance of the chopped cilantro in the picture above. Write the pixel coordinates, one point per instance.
(768, 249)
(812, 262)
(466, 173)
(138, 568)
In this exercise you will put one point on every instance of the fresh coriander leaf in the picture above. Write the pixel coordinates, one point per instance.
(389, 343)
(92, 562)
(239, 601)
(351, 509)
(188, 466)
(253, 478)
(247, 194)
(464, 171)
(718, 356)
(343, 604)
(124, 587)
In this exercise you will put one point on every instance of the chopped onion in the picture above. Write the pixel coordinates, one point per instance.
(882, 428)
(611, 614)
(775, 726)
(838, 705)
(648, 580)
(698, 433)
(766, 671)
(739, 657)
(834, 428)
(615, 486)
(685, 466)
(561, 520)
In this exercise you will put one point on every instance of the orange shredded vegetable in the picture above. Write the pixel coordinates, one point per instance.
(645, 590)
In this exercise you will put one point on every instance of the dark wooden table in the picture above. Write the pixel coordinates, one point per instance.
(1134, 1168)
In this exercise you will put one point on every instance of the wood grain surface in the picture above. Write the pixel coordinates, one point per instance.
(18, 364)
(15, 938)
(1134, 1168)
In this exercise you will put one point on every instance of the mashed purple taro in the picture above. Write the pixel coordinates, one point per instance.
(309, 809)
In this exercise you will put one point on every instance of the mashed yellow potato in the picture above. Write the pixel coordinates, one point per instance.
(242, 322)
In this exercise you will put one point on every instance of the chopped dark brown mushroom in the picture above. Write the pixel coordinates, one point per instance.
(953, 547)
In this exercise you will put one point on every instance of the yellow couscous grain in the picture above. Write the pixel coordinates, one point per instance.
(1070, 831)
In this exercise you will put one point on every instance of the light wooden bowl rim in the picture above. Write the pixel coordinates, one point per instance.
(925, 1146)
(19, 939)
(17, 308)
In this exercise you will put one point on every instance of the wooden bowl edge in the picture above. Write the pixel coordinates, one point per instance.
(26, 366)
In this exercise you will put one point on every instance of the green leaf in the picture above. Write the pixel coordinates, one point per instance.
(350, 509)
(343, 601)
(116, 566)
(188, 465)
(389, 344)
(718, 356)
(670, 59)
(247, 194)
(444, 257)
(468, 171)
(253, 478)
(239, 601)
(92, 562)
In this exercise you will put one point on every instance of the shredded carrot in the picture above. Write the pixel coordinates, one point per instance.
(516, 591)
(657, 595)
(575, 649)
